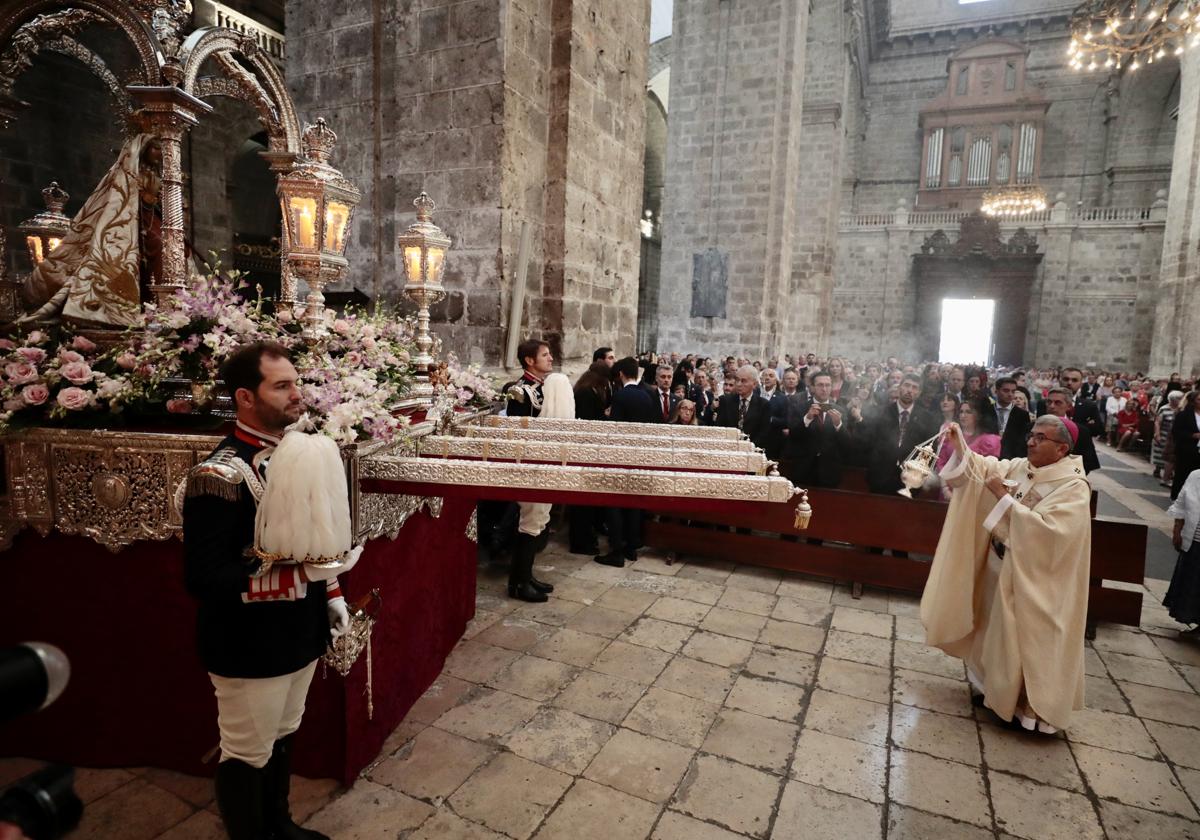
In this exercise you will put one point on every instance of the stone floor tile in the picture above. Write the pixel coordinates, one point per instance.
(1138, 669)
(706, 569)
(748, 601)
(369, 811)
(515, 632)
(655, 633)
(781, 664)
(1176, 650)
(751, 739)
(755, 578)
(805, 589)
(202, 825)
(1046, 760)
(697, 679)
(197, 791)
(560, 739)
(578, 589)
(533, 677)
(1178, 743)
(591, 811)
(1123, 733)
(649, 562)
(678, 610)
(729, 794)
(600, 696)
(945, 736)
(446, 825)
(1040, 812)
(848, 717)
(640, 765)
(311, 795)
(840, 764)
(1191, 673)
(859, 648)
(952, 697)
(1190, 779)
(874, 600)
(902, 604)
(557, 611)
(769, 698)
(665, 714)
(92, 783)
(510, 795)
(910, 629)
(1163, 704)
(598, 572)
(407, 730)
(487, 713)
(432, 765)
(938, 786)
(700, 591)
(571, 647)
(913, 656)
(631, 662)
(1114, 640)
(626, 599)
(1102, 693)
(793, 636)
(739, 625)
(677, 826)
(443, 695)
(1128, 823)
(601, 621)
(1133, 780)
(813, 813)
(496, 602)
(133, 811)
(863, 622)
(718, 650)
(908, 824)
(870, 682)
(477, 662)
(1093, 665)
(799, 611)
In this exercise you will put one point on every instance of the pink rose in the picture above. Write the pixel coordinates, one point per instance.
(368, 344)
(33, 355)
(36, 337)
(77, 373)
(74, 399)
(179, 406)
(83, 345)
(69, 356)
(20, 373)
(146, 370)
(128, 361)
(35, 394)
(5, 344)
(341, 326)
(354, 358)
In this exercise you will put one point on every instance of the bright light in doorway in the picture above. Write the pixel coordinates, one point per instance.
(966, 331)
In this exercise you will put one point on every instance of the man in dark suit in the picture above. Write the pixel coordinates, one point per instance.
(1185, 432)
(701, 394)
(741, 408)
(631, 403)
(1014, 421)
(818, 437)
(1084, 411)
(891, 435)
(660, 394)
(1059, 402)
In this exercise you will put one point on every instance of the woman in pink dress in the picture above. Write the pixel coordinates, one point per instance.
(980, 429)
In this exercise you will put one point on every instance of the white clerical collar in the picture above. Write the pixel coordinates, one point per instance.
(267, 440)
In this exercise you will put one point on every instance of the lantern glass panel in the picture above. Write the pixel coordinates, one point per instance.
(52, 243)
(336, 217)
(433, 262)
(304, 222)
(412, 264)
(34, 244)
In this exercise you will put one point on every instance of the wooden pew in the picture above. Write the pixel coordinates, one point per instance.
(858, 522)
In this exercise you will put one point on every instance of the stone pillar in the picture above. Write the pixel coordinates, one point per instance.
(1176, 339)
(733, 158)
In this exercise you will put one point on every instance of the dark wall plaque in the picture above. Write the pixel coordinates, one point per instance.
(710, 283)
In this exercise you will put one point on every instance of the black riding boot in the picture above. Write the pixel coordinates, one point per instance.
(521, 570)
(278, 786)
(240, 797)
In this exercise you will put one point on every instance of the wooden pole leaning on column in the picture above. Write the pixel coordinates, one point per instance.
(168, 113)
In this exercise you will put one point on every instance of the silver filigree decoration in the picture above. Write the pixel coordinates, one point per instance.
(384, 514)
(31, 36)
(705, 433)
(473, 527)
(604, 435)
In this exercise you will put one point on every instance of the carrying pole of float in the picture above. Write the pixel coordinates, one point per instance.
(518, 298)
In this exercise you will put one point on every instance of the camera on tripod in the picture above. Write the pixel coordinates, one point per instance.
(43, 805)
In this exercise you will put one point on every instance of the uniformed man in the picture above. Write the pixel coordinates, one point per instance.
(525, 399)
(259, 635)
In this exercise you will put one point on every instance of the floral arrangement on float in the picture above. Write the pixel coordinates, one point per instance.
(350, 382)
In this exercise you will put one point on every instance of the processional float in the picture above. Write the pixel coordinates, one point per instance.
(114, 485)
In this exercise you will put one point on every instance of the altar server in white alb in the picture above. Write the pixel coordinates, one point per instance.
(1009, 585)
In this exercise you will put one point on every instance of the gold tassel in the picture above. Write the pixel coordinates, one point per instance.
(207, 484)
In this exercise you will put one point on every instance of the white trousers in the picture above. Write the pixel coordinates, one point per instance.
(534, 518)
(253, 714)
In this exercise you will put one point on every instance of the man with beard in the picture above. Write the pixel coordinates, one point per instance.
(895, 430)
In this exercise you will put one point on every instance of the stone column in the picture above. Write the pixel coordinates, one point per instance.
(1176, 339)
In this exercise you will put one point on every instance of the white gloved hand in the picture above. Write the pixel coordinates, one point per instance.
(339, 616)
(314, 573)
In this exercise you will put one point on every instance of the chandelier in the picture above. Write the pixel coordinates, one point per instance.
(1013, 202)
(1118, 34)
